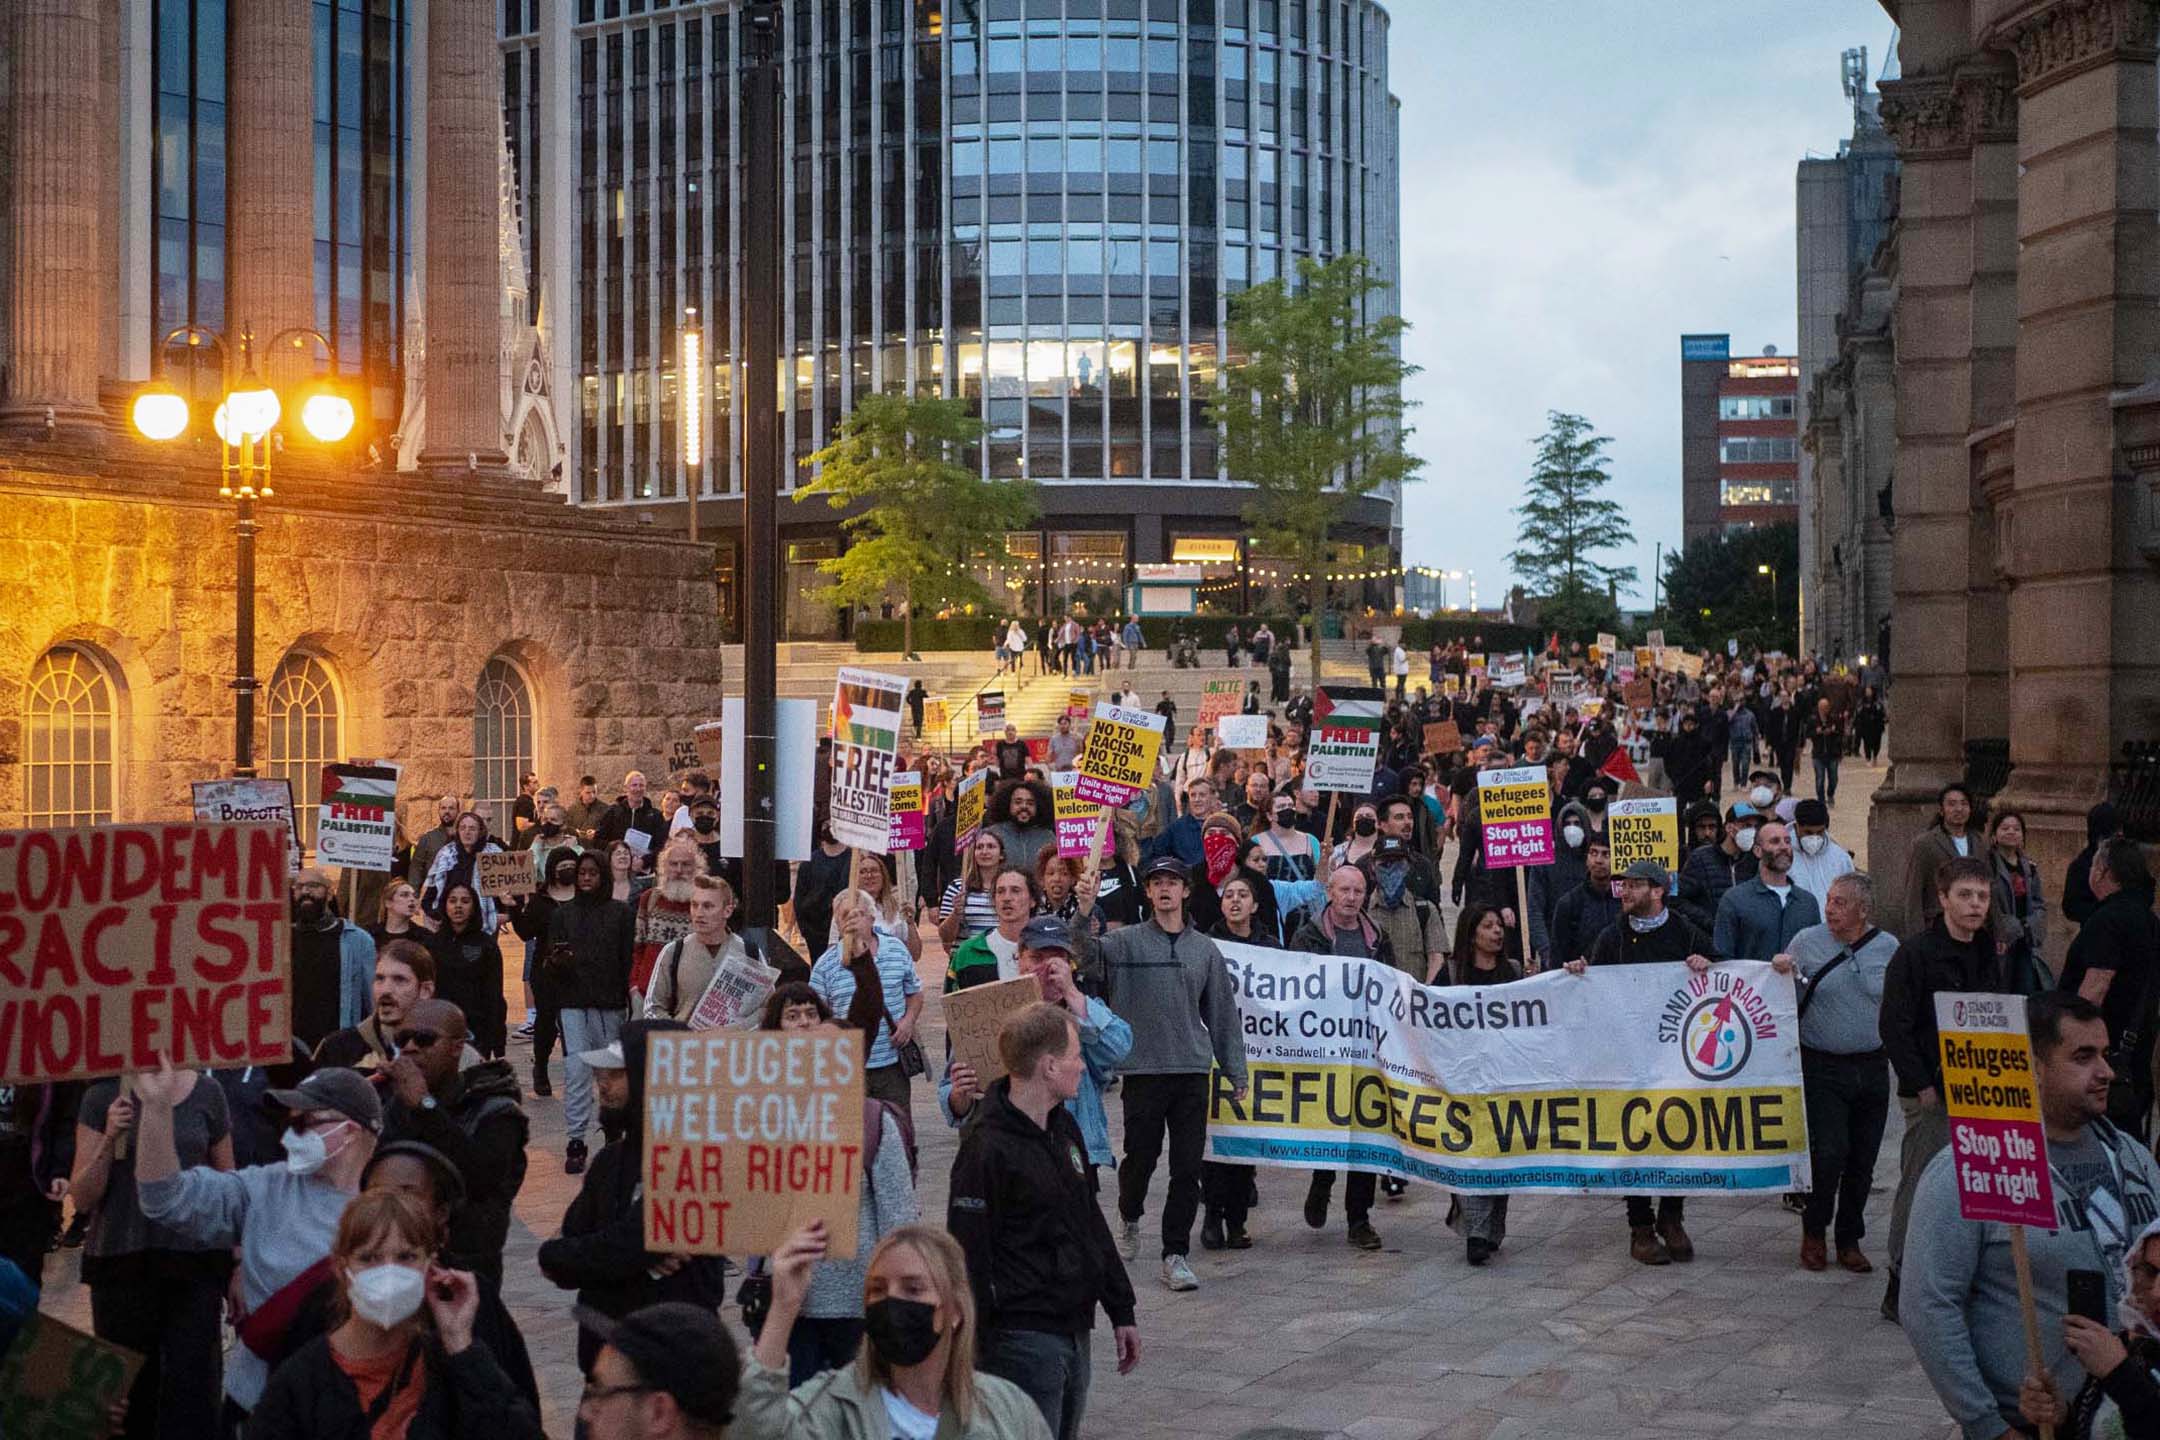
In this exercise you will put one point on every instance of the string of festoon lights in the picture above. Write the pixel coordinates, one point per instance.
(1084, 563)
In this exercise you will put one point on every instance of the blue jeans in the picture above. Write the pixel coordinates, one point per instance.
(1743, 755)
(583, 1030)
(1826, 777)
(1052, 1369)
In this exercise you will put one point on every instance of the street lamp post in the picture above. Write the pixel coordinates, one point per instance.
(1771, 571)
(246, 424)
(761, 581)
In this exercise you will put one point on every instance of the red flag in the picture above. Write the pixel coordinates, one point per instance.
(1617, 766)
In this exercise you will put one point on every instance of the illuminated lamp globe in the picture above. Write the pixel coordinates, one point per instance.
(160, 413)
(327, 416)
(253, 409)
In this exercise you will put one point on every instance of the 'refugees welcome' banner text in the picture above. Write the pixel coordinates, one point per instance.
(1640, 1079)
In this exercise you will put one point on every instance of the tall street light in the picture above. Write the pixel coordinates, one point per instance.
(760, 290)
(1771, 571)
(246, 423)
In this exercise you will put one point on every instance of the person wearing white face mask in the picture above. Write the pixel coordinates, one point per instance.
(1817, 859)
(1766, 792)
(400, 1362)
(282, 1217)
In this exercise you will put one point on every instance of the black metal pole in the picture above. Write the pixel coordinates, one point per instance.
(244, 637)
(761, 578)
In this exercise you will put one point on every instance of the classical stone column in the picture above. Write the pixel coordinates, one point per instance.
(1932, 487)
(463, 312)
(1987, 106)
(2084, 646)
(55, 297)
(270, 185)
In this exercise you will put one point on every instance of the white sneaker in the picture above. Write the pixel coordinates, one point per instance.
(1177, 1275)
(1128, 1240)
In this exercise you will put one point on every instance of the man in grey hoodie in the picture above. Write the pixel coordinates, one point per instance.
(1169, 982)
(1959, 1301)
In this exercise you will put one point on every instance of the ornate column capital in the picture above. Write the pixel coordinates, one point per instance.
(1924, 117)
(1987, 98)
(2068, 37)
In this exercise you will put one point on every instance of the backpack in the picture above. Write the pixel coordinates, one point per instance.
(874, 1110)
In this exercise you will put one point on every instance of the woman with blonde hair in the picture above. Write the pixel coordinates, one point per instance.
(874, 886)
(915, 1377)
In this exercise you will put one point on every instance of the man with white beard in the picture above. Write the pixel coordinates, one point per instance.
(663, 912)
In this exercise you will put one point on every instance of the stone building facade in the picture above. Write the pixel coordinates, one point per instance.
(2026, 318)
(454, 618)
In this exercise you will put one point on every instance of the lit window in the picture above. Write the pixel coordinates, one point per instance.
(68, 723)
(306, 733)
(503, 747)
(1755, 492)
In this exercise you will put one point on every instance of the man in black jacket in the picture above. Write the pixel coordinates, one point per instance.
(1587, 911)
(1648, 933)
(634, 812)
(586, 969)
(1956, 953)
(1040, 1256)
(2112, 963)
(601, 1251)
(475, 1117)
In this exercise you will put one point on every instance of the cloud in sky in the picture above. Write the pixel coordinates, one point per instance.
(1582, 181)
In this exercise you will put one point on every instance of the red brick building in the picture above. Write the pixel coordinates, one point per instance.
(1739, 437)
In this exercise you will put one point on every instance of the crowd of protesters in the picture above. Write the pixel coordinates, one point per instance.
(348, 1212)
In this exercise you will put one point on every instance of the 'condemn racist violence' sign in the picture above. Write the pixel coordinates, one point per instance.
(122, 943)
(1636, 1079)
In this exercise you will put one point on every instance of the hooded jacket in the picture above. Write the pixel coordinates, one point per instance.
(600, 932)
(1175, 992)
(1039, 1254)
(480, 1127)
(1924, 964)
(601, 1251)
(1548, 884)
(1584, 913)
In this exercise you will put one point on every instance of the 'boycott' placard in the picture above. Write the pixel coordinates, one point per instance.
(123, 943)
(1992, 1097)
(1515, 808)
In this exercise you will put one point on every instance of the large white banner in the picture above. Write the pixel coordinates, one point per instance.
(1640, 1079)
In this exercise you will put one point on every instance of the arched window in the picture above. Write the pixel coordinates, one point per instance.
(502, 730)
(306, 733)
(69, 710)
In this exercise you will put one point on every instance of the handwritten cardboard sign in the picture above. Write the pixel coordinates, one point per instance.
(1242, 732)
(1219, 698)
(1992, 1095)
(505, 873)
(974, 1016)
(236, 801)
(122, 943)
(750, 1135)
(1443, 737)
(707, 740)
(57, 1383)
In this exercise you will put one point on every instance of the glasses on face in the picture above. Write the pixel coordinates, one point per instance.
(416, 1039)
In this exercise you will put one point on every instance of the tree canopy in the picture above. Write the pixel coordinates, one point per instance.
(1566, 524)
(1716, 590)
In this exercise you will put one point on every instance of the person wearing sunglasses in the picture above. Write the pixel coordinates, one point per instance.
(473, 1116)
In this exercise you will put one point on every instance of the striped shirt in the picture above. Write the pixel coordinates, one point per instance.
(981, 914)
(835, 985)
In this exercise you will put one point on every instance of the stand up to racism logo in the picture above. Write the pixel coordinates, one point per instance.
(1715, 1019)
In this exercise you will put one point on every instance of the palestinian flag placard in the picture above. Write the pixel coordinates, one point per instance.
(357, 825)
(865, 744)
(1344, 748)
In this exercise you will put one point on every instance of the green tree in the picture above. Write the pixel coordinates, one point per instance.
(1720, 588)
(923, 520)
(1566, 523)
(1311, 409)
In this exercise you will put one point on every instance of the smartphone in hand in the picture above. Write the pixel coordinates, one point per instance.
(2087, 1295)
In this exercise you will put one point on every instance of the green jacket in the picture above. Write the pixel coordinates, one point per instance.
(973, 963)
(837, 1406)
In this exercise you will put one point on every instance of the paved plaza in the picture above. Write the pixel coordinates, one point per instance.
(1304, 1338)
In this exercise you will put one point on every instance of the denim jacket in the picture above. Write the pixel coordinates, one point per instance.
(1105, 1041)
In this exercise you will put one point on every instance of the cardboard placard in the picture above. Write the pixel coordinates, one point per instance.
(682, 756)
(1689, 666)
(505, 873)
(1242, 732)
(1992, 1096)
(910, 814)
(1640, 694)
(1644, 830)
(238, 802)
(1515, 809)
(123, 943)
(57, 1383)
(357, 825)
(968, 809)
(1607, 642)
(974, 1016)
(1443, 737)
(865, 746)
(1219, 698)
(749, 1135)
(1118, 761)
(1645, 657)
(707, 738)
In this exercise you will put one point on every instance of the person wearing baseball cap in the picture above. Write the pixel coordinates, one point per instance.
(1649, 933)
(1818, 859)
(667, 1372)
(283, 1217)
(1170, 983)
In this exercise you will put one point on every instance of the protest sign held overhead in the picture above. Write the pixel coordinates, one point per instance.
(968, 809)
(123, 943)
(1644, 830)
(1992, 1095)
(1443, 737)
(974, 1016)
(1509, 673)
(708, 740)
(682, 755)
(1078, 704)
(241, 802)
(865, 744)
(1118, 760)
(505, 873)
(1632, 1078)
(1343, 749)
(1219, 698)
(989, 711)
(749, 1135)
(1077, 820)
(909, 817)
(357, 826)
(1515, 808)
(1242, 732)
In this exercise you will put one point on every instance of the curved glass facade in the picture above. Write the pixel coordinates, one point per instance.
(1040, 205)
